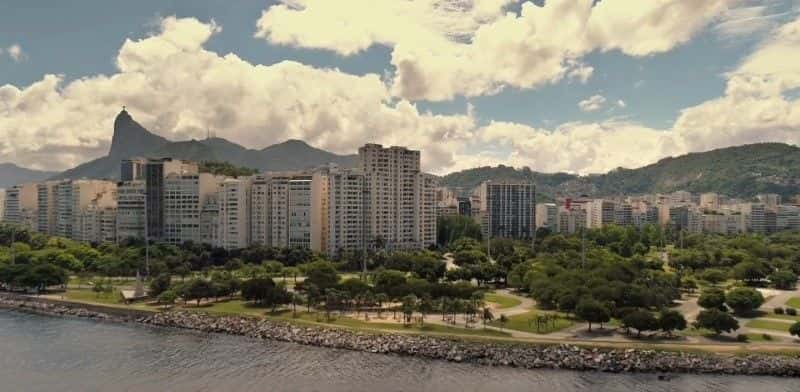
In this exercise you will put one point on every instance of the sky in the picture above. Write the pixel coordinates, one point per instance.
(580, 86)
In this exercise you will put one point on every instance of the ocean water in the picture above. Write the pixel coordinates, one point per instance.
(42, 353)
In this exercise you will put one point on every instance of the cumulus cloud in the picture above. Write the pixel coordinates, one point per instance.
(178, 89)
(757, 107)
(15, 52)
(621, 103)
(593, 103)
(445, 48)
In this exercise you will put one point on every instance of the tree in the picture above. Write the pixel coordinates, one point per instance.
(160, 284)
(265, 292)
(712, 298)
(716, 320)
(713, 275)
(744, 299)
(196, 290)
(794, 330)
(592, 311)
(641, 320)
(749, 272)
(670, 320)
(783, 279)
(322, 274)
(408, 306)
(167, 298)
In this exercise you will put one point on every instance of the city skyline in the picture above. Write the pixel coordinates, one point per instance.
(580, 101)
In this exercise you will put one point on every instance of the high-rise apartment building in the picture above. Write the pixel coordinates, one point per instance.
(184, 197)
(623, 214)
(132, 169)
(337, 210)
(234, 213)
(571, 219)
(508, 209)
(399, 212)
(46, 200)
(130, 210)
(21, 205)
(710, 201)
(599, 213)
(770, 200)
(155, 172)
(281, 209)
(96, 222)
(547, 216)
(73, 197)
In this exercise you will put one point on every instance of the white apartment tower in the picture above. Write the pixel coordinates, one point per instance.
(337, 210)
(234, 213)
(184, 198)
(397, 195)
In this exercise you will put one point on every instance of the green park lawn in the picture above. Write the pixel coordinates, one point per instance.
(794, 302)
(769, 324)
(109, 299)
(502, 301)
(759, 337)
(522, 322)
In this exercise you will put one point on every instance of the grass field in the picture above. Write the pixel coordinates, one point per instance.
(502, 301)
(759, 337)
(769, 324)
(110, 299)
(522, 322)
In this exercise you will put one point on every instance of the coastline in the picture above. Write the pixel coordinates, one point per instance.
(530, 356)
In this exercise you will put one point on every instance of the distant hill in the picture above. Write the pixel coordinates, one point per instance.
(741, 171)
(11, 174)
(130, 139)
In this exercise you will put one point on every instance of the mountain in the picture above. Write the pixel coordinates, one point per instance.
(11, 174)
(741, 171)
(130, 139)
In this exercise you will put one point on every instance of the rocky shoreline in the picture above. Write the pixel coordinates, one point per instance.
(562, 356)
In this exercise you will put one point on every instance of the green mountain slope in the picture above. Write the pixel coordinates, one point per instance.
(130, 139)
(741, 171)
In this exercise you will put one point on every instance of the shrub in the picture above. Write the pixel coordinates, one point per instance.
(791, 311)
(741, 338)
(766, 336)
(778, 310)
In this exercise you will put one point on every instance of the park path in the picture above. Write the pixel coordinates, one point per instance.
(449, 262)
(778, 297)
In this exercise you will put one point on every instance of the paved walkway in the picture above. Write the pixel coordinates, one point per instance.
(779, 297)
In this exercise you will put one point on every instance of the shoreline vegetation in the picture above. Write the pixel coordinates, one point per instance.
(480, 350)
